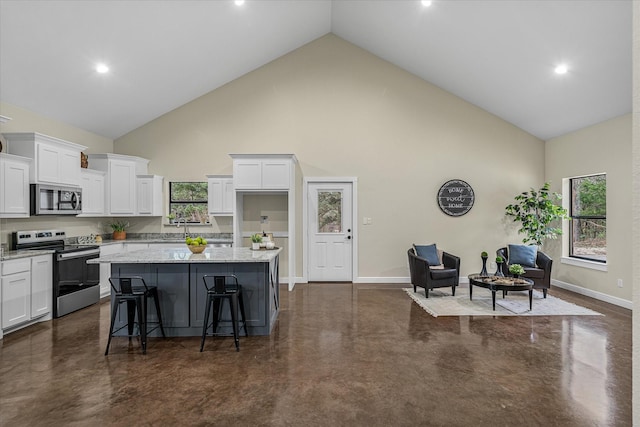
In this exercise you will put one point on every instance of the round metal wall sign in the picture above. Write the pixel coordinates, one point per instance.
(455, 197)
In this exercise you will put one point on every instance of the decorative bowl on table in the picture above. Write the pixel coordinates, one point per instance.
(197, 249)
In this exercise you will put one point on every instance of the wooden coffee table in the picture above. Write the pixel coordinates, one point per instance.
(504, 284)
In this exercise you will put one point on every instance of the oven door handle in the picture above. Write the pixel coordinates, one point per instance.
(78, 254)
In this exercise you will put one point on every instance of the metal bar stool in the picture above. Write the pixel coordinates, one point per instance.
(221, 288)
(134, 292)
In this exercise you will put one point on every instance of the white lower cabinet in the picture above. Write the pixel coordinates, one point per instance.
(105, 269)
(41, 285)
(26, 289)
(16, 292)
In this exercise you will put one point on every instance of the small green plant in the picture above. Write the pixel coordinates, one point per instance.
(256, 238)
(118, 225)
(171, 216)
(499, 260)
(516, 269)
(484, 255)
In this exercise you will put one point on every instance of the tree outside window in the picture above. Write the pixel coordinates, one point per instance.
(589, 217)
(189, 201)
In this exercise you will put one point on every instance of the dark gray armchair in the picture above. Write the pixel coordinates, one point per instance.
(540, 274)
(429, 278)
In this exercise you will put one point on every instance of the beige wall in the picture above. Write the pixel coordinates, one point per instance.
(345, 112)
(605, 147)
(636, 213)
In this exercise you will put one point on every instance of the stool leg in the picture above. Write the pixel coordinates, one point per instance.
(244, 317)
(157, 302)
(114, 313)
(216, 312)
(206, 322)
(142, 321)
(233, 308)
(131, 315)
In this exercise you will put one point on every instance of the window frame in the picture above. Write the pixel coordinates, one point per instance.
(574, 217)
(204, 202)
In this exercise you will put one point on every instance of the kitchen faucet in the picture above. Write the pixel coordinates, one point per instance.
(186, 227)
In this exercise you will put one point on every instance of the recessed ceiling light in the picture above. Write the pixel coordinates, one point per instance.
(426, 3)
(561, 69)
(102, 68)
(239, 2)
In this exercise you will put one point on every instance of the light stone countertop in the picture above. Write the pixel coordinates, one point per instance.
(24, 253)
(184, 256)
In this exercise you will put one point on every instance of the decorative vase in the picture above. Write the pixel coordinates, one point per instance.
(484, 266)
(119, 235)
(255, 246)
(499, 272)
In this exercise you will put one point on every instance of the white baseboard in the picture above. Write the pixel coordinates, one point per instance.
(593, 294)
(464, 281)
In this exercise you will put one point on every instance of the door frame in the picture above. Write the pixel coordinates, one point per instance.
(305, 221)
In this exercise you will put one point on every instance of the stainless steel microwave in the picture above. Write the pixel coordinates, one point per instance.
(55, 200)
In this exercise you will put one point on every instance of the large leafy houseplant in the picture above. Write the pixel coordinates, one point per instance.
(535, 211)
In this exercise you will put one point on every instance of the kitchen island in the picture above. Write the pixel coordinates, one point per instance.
(178, 275)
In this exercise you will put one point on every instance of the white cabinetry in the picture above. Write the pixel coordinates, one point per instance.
(220, 189)
(93, 184)
(121, 184)
(26, 289)
(14, 186)
(269, 174)
(105, 269)
(55, 161)
(262, 172)
(41, 285)
(16, 292)
(149, 195)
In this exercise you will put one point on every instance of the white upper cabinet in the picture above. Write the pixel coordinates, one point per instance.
(149, 195)
(14, 186)
(120, 181)
(263, 171)
(220, 189)
(93, 185)
(55, 161)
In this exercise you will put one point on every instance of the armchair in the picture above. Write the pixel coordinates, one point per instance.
(430, 277)
(540, 274)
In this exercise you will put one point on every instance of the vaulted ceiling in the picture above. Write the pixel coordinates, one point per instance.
(498, 55)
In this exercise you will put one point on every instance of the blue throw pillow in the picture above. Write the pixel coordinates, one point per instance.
(428, 252)
(523, 255)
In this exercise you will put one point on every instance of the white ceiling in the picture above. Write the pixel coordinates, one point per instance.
(498, 55)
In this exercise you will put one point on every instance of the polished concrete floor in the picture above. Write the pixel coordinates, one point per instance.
(340, 355)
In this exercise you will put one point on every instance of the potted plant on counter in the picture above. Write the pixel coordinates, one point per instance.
(256, 239)
(119, 229)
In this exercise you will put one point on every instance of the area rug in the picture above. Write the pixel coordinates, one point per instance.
(442, 303)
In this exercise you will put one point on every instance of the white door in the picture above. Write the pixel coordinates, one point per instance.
(330, 237)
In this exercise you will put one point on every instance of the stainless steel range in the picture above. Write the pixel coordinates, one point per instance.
(76, 284)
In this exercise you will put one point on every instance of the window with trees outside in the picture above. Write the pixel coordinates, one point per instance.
(588, 225)
(189, 201)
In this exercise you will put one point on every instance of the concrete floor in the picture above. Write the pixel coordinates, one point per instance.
(340, 355)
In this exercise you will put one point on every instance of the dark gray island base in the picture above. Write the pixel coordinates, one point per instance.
(178, 275)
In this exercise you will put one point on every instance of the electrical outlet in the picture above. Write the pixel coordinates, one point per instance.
(620, 285)
(264, 219)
